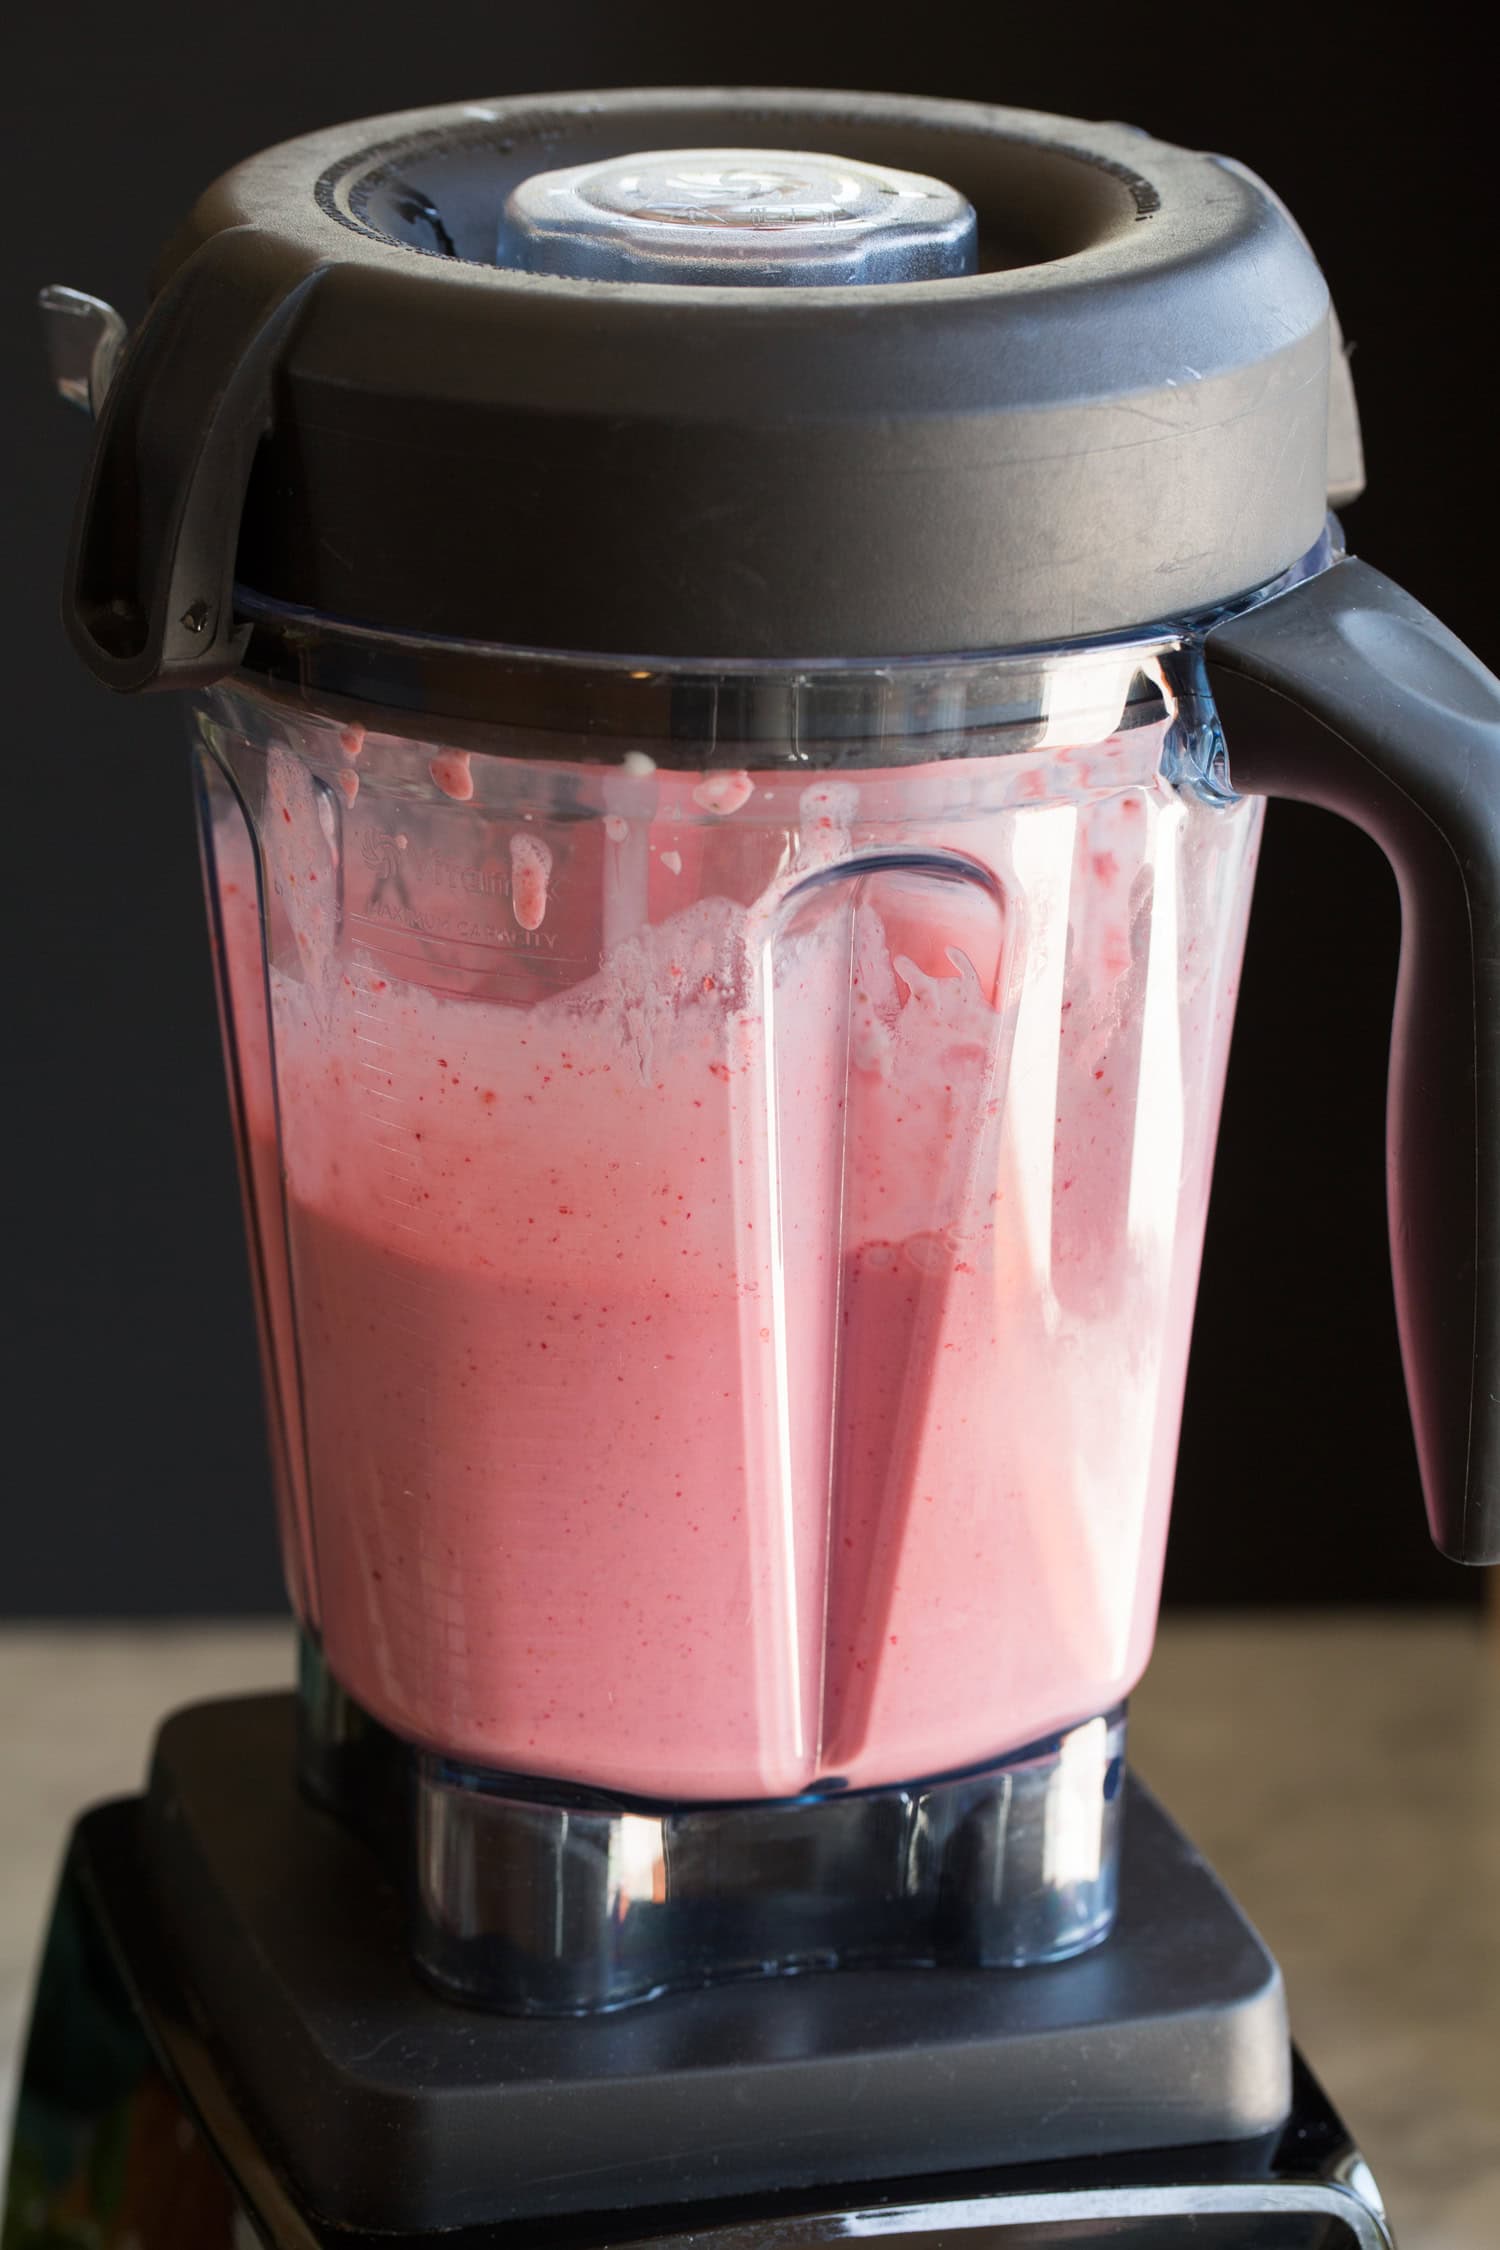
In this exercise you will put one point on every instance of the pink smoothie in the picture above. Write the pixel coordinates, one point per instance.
(748, 1350)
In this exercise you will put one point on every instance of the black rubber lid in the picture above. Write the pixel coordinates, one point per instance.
(344, 401)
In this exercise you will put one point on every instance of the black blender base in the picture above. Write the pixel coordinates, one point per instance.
(393, 2108)
(228, 2045)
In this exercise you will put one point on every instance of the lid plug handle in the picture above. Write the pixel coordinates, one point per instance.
(150, 584)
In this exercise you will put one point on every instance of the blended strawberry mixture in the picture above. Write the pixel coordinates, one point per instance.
(731, 1307)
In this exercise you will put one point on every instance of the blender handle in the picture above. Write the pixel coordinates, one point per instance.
(149, 598)
(1344, 692)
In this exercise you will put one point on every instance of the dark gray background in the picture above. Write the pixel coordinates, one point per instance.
(138, 1481)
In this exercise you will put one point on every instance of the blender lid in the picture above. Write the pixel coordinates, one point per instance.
(721, 375)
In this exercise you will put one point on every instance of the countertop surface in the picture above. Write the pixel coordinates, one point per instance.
(1342, 1773)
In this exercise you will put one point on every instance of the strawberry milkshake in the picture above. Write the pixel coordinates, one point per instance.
(727, 1241)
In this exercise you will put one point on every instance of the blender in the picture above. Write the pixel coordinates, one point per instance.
(737, 645)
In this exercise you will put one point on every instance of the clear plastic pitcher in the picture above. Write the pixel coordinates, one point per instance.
(728, 1230)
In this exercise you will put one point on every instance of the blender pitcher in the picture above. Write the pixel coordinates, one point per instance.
(735, 691)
